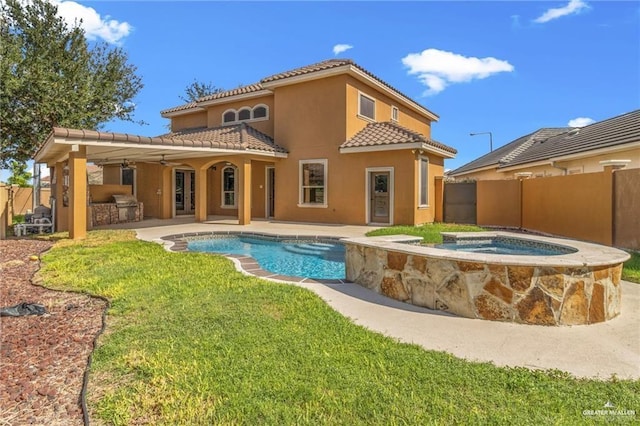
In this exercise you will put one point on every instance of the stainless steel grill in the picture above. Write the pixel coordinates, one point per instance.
(127, 206)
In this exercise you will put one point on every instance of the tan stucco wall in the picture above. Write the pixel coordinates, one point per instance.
(627, 208)
(406, 117)
(105, 193)
(577, 206)
(188, 121)
(111, 174)
(498, 202)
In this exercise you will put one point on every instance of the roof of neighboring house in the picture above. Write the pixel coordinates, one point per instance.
(509, 152)
(553, 144)
(387, 134)
(238, 136)
(297, 72)
(611, 132)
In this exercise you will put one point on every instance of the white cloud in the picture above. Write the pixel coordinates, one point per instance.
(574, 6)
(339, 48)
(580, 122)
(94, 25)
(438, 68)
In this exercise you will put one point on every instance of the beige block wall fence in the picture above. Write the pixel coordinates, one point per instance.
(598, 207)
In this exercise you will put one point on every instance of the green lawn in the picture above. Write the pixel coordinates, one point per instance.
(631, 270)
(430, 232)
(190, 341)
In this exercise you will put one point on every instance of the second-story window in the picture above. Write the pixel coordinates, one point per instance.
(244, 114)
(367, 107)
(229, 117)
(394, 113)
(260, 112)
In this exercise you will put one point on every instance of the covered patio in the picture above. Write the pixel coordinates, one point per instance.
(67, 151)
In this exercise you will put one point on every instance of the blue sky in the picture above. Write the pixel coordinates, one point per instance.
(504, 67)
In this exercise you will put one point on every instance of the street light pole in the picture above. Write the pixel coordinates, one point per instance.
(485, 133)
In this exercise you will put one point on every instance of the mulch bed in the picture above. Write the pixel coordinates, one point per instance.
(42, 358)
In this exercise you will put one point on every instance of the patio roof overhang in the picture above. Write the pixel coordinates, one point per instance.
(106, 148)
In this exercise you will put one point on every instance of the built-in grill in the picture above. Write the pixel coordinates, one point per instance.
(127, 206)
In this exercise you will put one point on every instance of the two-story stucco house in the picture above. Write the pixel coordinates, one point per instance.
(328, 143)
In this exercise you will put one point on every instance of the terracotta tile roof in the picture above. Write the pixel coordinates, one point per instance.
(180, 108)
(320, 66)
(388, 133)
(233, 92)
(307, 69)
(336, 63)
(239, 137)
(509, 152)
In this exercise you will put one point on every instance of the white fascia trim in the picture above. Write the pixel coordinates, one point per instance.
(395, 147)
(45, 148)
(576, 156)
(242, 96)
(182, 112)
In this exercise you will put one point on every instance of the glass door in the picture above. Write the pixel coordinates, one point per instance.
(185, 195)
(379, 197)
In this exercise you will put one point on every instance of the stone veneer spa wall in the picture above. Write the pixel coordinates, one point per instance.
(556, 290)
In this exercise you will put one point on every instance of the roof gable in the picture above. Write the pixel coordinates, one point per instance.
(389, 135)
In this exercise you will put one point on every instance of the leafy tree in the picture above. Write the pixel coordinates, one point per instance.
(51, 76)
(19, 174)
(197, 90)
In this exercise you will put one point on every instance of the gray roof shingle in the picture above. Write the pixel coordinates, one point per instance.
(388, 133)
(602, 134)
(509, 152)
(550, 143)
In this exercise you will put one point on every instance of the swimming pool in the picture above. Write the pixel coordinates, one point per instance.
(310, 258)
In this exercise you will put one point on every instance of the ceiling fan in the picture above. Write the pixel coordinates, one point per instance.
(126, 164)
(167, 163)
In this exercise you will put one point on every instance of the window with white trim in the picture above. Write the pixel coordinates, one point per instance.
(394, 113)
(424, 182)
(229, 116)
(244, 114)
(313, 183)
(229, 187)
(260, 111)
(367, 106)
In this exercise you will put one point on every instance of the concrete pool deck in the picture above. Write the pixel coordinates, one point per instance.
(599, 351)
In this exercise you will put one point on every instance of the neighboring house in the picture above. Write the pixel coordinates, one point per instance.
(328, 142)
(561, 151)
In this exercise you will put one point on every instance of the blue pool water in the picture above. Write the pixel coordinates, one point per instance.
(298, 258)
(501, 248)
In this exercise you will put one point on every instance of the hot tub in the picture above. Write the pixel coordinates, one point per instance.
(575, 283)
